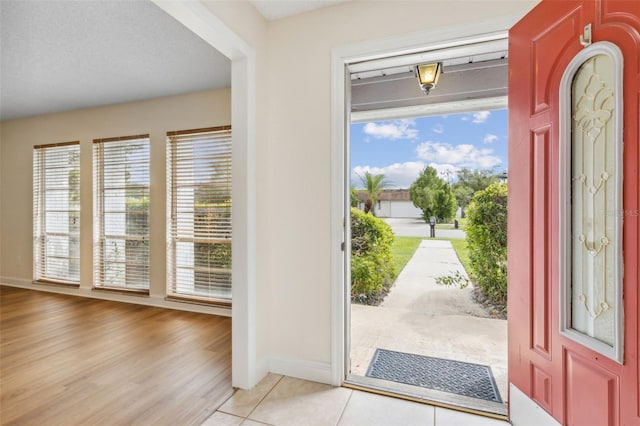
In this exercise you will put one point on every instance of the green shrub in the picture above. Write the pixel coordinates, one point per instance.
(487, 240)
(455, 279)
(372, 268)
(367, 278)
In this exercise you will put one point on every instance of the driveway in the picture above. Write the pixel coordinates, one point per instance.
(415, 227)
(421, 317)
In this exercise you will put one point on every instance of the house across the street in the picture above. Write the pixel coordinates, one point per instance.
(392, 203)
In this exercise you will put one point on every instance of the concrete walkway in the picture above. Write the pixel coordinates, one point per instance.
(421, 317)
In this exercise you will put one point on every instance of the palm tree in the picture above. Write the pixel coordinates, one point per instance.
(373, 184)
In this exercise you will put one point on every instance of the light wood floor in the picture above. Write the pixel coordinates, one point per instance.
(76, 361)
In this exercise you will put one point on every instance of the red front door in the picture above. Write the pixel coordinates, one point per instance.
(572, 381)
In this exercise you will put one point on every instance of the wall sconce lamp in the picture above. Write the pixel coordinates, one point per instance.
(428, 75)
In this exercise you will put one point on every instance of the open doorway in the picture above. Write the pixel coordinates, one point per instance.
(414, 337)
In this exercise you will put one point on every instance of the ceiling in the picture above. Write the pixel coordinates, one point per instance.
(66, 55)
(276, 9)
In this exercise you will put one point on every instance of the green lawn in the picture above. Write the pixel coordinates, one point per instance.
(402, 250)
(404, 247)
(460, 246)
(461, 224)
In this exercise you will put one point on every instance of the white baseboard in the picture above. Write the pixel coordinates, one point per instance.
(155, 301)
(302, 369)
(523, 411)
(262, 368)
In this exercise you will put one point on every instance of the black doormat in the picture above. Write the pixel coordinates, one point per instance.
(461, 378)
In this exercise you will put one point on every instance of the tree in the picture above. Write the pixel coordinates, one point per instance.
(471, 181)
(477, 179)
(445, 203)
(373, 185)
(463, 194)
(433, 196)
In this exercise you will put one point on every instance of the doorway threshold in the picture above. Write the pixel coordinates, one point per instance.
(423, 395)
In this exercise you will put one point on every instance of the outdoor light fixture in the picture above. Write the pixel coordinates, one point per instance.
(428, 75)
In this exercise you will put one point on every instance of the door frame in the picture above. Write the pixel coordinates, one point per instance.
(247, 369)
(341, 59)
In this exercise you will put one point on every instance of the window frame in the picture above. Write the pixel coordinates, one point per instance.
(220, 135)
(100, 280)
(615, 213)
(40, 233)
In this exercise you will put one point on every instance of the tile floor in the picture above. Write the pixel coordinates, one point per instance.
(280, 401)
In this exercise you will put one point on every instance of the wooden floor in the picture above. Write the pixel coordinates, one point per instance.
(75, 361)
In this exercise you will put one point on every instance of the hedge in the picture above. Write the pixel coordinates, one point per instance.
(372, 268)
(487, 239)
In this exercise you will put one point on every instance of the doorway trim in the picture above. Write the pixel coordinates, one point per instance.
(341, 59)
(246, 370)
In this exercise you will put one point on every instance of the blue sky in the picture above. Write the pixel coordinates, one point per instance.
(402, 148)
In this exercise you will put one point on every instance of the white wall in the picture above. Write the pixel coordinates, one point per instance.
(293, 151)
(299, 156)
(294, 224)
(153, 117)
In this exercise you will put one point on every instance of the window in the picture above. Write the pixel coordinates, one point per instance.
(121, 213)
(591, 200)
(56, 212)
(199, 214)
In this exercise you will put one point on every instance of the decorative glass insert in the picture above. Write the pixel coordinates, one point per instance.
(595, 219)
(593, 164)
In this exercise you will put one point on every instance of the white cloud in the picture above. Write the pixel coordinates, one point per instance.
(397, 129)
(400, 175)
(490, 138)
(480, 116)
(463, 155)
(438, 128)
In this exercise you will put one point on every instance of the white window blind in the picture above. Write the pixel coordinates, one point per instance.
(199, 214)
(121, 212)
(56, 212)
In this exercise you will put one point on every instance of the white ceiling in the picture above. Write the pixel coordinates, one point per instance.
(276, 9)
(65, 55)
(62, 55)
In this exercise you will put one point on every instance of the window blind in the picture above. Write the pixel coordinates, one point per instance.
(56, 212)
(121, 212)
(199, 213)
